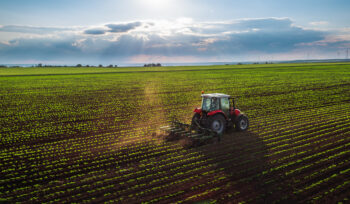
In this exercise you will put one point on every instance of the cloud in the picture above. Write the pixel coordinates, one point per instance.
(114, 28)
(32, 29)
(164, 40)
(39, 49)
(264, 24)
(242, 26)
(95, 31)
(319, 23)
(121, 28)
(108, 28)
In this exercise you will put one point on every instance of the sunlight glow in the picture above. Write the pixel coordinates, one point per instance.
(157, 4)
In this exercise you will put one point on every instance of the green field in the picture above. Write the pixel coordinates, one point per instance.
(92, 135)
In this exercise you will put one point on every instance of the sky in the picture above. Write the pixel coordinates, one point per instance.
(171, 31)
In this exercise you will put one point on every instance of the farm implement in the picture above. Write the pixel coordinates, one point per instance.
(192, 135)
(217, 113)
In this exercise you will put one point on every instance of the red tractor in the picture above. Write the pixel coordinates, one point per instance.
(218, 112)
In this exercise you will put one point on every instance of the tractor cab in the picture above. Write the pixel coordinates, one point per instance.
(215, 102)
(219, 102)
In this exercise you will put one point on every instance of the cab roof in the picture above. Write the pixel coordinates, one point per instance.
(216, 95)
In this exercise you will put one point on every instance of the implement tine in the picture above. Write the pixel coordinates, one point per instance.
(182, 133)
(196, 135)
(166, 128)
(181, 125)
(175, 130)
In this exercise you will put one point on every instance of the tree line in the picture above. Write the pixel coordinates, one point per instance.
(80, 65)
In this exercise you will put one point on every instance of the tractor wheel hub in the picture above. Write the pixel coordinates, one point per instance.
(243, 124)
(216, 126)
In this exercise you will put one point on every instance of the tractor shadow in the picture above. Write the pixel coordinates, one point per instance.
(242, 159)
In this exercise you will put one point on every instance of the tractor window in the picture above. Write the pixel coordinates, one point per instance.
(214, 104)
(225, 105)
(210, 104)
(206, 104)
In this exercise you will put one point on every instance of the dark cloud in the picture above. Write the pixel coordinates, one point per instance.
(282, 40)
(39, 49)
(121, 28)
(96, 31)
(114, 28)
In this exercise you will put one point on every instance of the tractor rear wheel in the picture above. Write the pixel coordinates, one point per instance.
(242, 123)
(218, 124)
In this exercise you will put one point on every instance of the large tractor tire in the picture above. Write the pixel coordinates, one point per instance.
(242, 123)
(218, 124)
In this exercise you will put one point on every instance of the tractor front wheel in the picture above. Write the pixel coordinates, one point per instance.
(218, 124)
(242, 123)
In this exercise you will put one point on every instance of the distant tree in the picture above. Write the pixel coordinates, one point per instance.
(111, 65)
(3, 66)
(239, 63)
(115, 65)
(40, 65)
(100, 65)
(152, 65)
(87, 65)
(79, 65)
